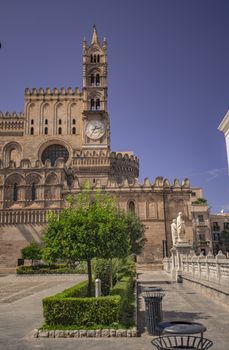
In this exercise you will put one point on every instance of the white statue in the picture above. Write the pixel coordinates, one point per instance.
(180, 227)
(174, 231)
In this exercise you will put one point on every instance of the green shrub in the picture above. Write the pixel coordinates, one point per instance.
(103, 271)
(51, 269)
(71, 307)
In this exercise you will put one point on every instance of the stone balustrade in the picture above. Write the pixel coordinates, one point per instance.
(208, 268)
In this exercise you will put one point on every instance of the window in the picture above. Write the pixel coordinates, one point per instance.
(53, 152)
(97, 107)
(31, 121)
(131, 207)
(216, 226)
(73, 130)
(94, 59)
(226, 225)
(73, 121)
(92, 104)
(98, 58)
(91, 59)
(97, 80)
(200, 218)
(33, 192)
(46, 121)
(193, 194)
(60, 121)
(46, 130)
(59, 131)
(202, 236)
(15, 192)
(31, 131)
(92, 79)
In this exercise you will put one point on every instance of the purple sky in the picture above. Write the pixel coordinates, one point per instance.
(168, 76)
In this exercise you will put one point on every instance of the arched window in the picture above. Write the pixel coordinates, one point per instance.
(31, 121)
(97, 80)
(132, 207)
(97, 107)
(53, 152)
(95, 58)
(73, 121)
(59, 131)
(31, 131)
(92, 104)
(60, 121)
(33, 192)
(46, 121)
(46, 130)
(15, 192)
(98, 58)
(92, 79)
(73, 130)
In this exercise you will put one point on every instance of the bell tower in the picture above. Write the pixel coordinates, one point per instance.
(96, 132)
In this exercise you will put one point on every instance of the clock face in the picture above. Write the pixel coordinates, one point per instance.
(95, 129)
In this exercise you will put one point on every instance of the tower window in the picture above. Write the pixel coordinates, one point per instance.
(31, 131)
(59, 131)
(31, 121)
(60, 121)
(46, 121)
(95, 59)
(132, 207)
(15, 192)
(92, 79)
(33, 192)
(98, 58)
(46, 130)
(73, 121)
(73, 130)
(97, 107)
(91, 59)
(97, 80)
(92, 104)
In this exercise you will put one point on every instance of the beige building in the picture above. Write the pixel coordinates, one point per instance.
(61, 140)
(220, 232)
(224, 127)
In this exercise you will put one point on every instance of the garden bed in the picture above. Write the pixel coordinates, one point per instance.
(73, 314)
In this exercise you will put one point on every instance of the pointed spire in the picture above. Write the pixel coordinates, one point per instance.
(94, 39)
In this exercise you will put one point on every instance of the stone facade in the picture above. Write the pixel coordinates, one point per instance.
(61, 140)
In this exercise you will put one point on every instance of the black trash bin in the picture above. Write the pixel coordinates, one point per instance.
(153, 310)
(181, 342)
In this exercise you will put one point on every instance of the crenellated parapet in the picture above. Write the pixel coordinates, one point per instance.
(54, 94)
(11, 122)
(124, 165)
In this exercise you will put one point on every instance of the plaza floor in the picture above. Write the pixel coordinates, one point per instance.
(21, 312)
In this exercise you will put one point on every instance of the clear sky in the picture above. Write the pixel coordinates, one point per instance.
(168, 76)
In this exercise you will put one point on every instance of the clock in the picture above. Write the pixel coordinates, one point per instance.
(95, 129)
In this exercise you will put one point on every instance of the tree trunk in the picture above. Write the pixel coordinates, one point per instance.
(111, 274)
(89, 289)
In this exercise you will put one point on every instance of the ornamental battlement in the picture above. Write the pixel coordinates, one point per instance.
(124, 164)
(55, 93)
(12, 122)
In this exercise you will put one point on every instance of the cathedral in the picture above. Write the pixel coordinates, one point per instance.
(62, 140)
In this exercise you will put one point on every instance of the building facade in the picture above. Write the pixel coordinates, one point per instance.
(62, 140)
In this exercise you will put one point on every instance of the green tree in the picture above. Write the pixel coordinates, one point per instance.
(32, 252)
(94, 227)
(200, 201)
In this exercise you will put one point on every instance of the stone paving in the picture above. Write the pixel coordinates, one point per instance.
(21, 312)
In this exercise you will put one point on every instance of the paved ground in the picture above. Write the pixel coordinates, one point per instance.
(21, 312)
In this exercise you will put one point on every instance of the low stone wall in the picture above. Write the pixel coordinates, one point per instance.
(209, 275)
(98, 333)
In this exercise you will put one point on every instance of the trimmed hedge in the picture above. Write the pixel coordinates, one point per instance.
(71, 307)
(53, 269)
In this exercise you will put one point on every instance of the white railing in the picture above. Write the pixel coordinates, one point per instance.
(203, 268)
